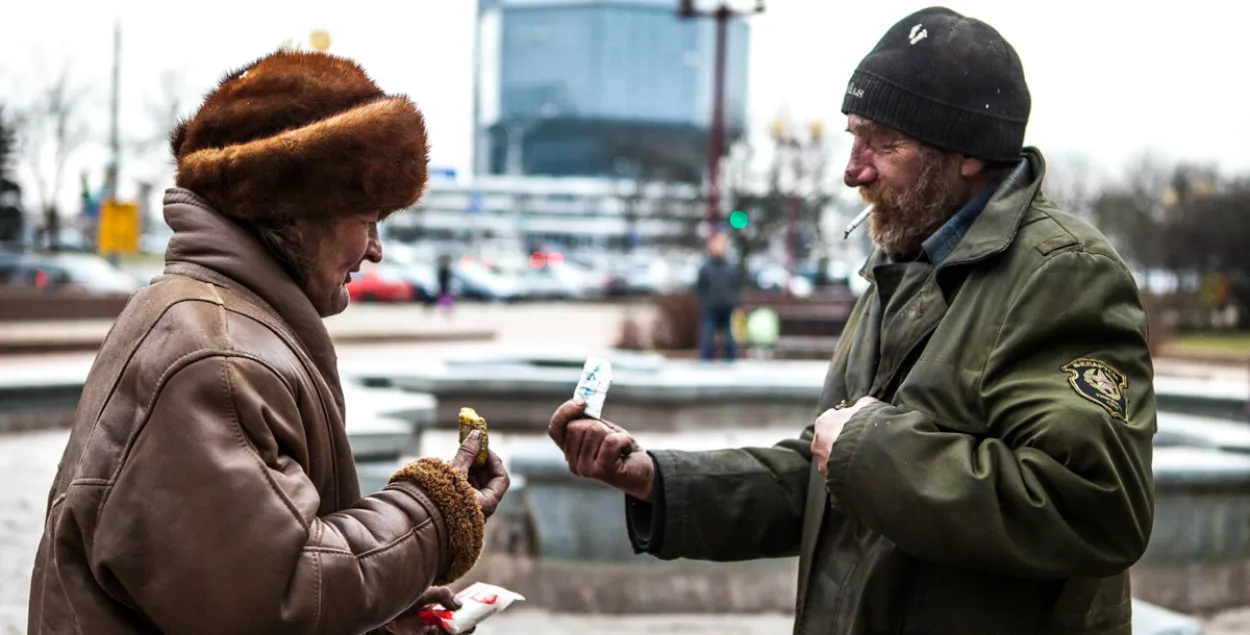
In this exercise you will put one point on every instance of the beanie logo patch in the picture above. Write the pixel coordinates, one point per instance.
(918, 33)
(853, 91)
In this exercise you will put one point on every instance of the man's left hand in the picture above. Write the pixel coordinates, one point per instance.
(828, 426)
(410, 622)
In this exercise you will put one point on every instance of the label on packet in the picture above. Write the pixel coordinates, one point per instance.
(593, 386)
(478, 601)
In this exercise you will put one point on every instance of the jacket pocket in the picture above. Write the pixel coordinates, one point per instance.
(946, 392)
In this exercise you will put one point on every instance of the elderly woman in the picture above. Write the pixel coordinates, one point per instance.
(208, 485)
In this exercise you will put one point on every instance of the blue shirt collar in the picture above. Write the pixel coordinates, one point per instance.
(939, 246)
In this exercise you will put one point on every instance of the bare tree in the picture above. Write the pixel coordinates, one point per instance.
(162, 110)
(52, 130)
(10, 192)
(816, 199)
(8, 142)
(1072, 181)
(1131, 212)
(792, 195)
(764, 205)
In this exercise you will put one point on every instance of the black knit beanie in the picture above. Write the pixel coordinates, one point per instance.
(947, 80)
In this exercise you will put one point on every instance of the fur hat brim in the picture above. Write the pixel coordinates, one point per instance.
(370, 158)
(302, 135)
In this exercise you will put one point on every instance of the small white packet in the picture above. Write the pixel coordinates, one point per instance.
(593, 386)
(478, 601)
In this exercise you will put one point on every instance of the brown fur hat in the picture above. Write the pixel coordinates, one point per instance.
(302, 135)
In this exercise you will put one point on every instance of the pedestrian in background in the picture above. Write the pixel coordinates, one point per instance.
(445, 299)
(717, 293)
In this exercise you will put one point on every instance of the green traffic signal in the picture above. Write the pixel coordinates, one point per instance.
(738, 219)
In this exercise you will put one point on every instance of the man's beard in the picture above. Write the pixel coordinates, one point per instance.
(904, 218)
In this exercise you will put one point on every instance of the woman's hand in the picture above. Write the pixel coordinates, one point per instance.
(410, 623)
(490, 481)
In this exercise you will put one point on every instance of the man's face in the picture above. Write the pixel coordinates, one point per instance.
(915, 188)
(340, 250)
(717, 245)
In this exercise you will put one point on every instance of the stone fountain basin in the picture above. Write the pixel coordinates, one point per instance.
(1198, 559)
(519, 392)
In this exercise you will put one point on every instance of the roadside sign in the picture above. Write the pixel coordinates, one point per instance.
(119, 228)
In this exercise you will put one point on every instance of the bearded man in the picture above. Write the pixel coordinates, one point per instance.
(982, 460)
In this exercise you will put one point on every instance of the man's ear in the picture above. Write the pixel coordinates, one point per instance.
(970, 167)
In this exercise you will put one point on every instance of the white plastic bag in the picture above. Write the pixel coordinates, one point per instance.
(478, 602)
(593, 386)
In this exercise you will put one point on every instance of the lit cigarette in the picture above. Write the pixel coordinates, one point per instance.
(863, 216)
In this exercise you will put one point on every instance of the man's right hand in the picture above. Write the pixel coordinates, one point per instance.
(601, 450)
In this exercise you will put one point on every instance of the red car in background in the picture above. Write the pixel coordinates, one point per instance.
(379, 283)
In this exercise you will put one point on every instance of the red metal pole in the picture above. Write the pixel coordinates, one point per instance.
(716, 136)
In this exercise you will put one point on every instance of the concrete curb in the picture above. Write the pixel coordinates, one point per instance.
(1222, 361)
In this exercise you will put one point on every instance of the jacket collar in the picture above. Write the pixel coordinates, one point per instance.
(938, 247)
(996, 226)
(221, 252)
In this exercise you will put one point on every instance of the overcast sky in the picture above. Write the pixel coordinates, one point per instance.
(1109, 79)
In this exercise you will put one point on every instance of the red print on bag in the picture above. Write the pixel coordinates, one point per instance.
(485, 598)
(433, 616)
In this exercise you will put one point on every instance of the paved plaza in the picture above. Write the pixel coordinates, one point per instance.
(28, 461)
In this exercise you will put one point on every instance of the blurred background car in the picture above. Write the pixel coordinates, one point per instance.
(81, 272)
(380, 282)
(478, 281)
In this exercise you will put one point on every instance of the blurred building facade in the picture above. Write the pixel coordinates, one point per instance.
(600, 88)
(531, 212)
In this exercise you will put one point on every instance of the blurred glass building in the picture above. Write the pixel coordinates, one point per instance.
(581, 214)
(600, 88)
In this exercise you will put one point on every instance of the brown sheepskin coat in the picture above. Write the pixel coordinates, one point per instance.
(208, 486)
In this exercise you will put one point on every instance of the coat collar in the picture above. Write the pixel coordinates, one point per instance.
(222, 252)
(996, 226)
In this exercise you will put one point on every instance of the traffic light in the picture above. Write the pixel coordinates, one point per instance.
(737, 219)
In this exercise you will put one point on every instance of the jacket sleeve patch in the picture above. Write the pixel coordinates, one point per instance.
(1099, 383)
